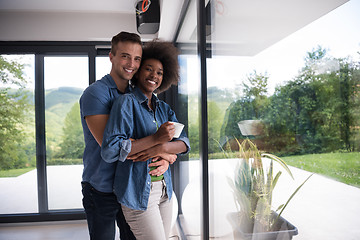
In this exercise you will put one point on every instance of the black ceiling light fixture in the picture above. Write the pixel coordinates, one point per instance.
(147, 16)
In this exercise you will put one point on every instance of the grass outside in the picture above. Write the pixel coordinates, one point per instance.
(51, 162)
(14, 172)
(343, 167)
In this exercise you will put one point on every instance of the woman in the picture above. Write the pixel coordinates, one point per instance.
(146, 200)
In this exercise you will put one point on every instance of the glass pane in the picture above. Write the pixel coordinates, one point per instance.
(287, 79)
(189, 171)
(18, 179)
(103, 66)
(189, 179)
(65, 80)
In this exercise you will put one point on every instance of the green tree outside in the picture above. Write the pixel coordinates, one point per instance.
(316, 112)
(251, 106)
(14, 109)
(72, 144)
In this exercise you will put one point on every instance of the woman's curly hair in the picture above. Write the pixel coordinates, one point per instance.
(167, 54)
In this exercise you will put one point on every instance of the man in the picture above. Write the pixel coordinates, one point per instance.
(100, 204)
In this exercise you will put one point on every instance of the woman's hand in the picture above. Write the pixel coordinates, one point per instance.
(165, 133)
(162, 167)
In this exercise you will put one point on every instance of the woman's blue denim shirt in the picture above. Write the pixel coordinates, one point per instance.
(131, 117)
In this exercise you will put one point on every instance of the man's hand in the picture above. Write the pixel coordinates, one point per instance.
(156, 152)
(162, 166)
(171, 158)
(146, 154)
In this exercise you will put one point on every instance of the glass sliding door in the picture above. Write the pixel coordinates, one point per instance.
(286, 77)
(41, 139)
(65, 78)
(293, 90)
(18, 183)
(187, 182)
(189, 174)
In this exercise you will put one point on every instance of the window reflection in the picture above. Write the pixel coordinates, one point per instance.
(296, 96)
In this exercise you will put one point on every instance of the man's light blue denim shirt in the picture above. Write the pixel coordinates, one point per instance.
(131, 117)
(97, 99)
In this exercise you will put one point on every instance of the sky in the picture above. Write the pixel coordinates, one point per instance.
(338, 31)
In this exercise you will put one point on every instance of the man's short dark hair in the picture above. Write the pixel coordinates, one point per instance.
(124, 37)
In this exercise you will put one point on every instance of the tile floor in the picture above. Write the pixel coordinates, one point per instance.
(67, 230)
(64, 230)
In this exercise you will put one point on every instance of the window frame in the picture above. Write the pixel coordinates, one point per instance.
(42, 50)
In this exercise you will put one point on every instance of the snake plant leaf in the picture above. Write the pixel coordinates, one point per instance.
(292, 195)
(280, 161)
(279, 207)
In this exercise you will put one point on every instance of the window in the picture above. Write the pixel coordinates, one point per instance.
(65, 79)
(41, 132)
(292, 90)
(17, 135)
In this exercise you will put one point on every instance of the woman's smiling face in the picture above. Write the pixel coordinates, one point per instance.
(149, 76)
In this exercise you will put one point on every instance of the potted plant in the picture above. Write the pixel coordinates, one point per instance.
(253, 187)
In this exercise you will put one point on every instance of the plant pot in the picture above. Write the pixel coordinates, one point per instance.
(284, 230)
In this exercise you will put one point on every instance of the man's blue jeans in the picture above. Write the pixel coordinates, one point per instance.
(102, 210)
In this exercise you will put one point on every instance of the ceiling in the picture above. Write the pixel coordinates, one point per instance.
(247, 26)
(78, 20)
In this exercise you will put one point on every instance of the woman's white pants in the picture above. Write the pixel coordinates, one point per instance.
(155, 222)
